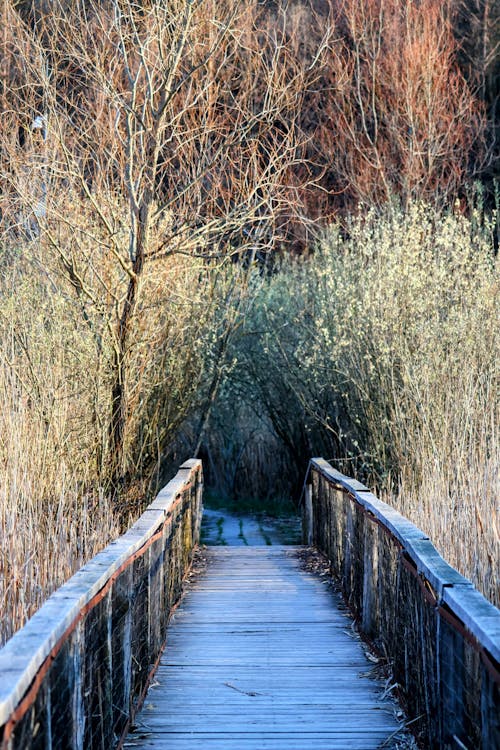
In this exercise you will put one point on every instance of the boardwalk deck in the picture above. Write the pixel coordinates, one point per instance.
(259, 655)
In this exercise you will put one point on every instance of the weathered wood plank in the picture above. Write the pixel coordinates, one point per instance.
(260, 741)
(260, 654)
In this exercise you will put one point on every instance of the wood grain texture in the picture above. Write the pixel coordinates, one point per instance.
(260, 654)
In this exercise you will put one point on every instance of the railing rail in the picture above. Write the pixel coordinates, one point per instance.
(75, 675)
(440, 634)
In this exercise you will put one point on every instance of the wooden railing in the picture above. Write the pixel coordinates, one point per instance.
(75, 675)
(439, 633)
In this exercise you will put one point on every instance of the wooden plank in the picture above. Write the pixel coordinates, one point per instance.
(198, 741)
(479, 616)
(261, 654)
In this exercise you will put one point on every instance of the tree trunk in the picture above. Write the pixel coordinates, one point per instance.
(117, 462)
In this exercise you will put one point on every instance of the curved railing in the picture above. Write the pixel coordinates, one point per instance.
(440, 634)
(75, 675)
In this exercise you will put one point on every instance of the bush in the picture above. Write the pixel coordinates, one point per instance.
(380, 353)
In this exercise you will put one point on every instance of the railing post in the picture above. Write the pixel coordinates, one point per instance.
(307, 516)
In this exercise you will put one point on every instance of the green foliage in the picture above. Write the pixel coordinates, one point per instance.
(365, 334)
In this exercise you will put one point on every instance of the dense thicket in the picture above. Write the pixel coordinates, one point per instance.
(383, 97)
(150, 134)
(381, 354)
(160, 163)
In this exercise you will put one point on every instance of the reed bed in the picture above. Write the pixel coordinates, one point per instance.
(57, 507)
(48, 526)
(380, 353)
(459, 511)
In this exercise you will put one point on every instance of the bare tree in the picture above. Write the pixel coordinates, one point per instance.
(172, 132)
(397, 116)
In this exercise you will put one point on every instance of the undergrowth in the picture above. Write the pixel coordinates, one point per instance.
(381, 354)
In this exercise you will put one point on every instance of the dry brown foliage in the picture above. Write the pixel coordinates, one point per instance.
(170, 130)
(395, 117)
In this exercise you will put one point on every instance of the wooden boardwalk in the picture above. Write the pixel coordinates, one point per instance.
(260, 655)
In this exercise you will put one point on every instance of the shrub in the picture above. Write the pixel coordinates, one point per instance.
(55, 373)
(380, 353)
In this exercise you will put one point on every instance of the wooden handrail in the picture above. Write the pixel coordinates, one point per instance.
(440, 634)
(85, 646)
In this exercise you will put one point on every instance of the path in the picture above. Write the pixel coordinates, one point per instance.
(221, 527)
(260, 656)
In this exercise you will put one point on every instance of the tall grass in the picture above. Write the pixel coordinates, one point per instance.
(381, 353)
(53, 516)
(56, 509)
(48, 526)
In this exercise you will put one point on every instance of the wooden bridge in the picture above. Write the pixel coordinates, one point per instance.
(259, 656)
(260, 652)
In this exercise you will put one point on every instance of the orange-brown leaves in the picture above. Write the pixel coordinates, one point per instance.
(400, 119)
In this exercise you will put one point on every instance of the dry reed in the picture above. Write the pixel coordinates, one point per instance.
(56, 510)
(48, 527)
